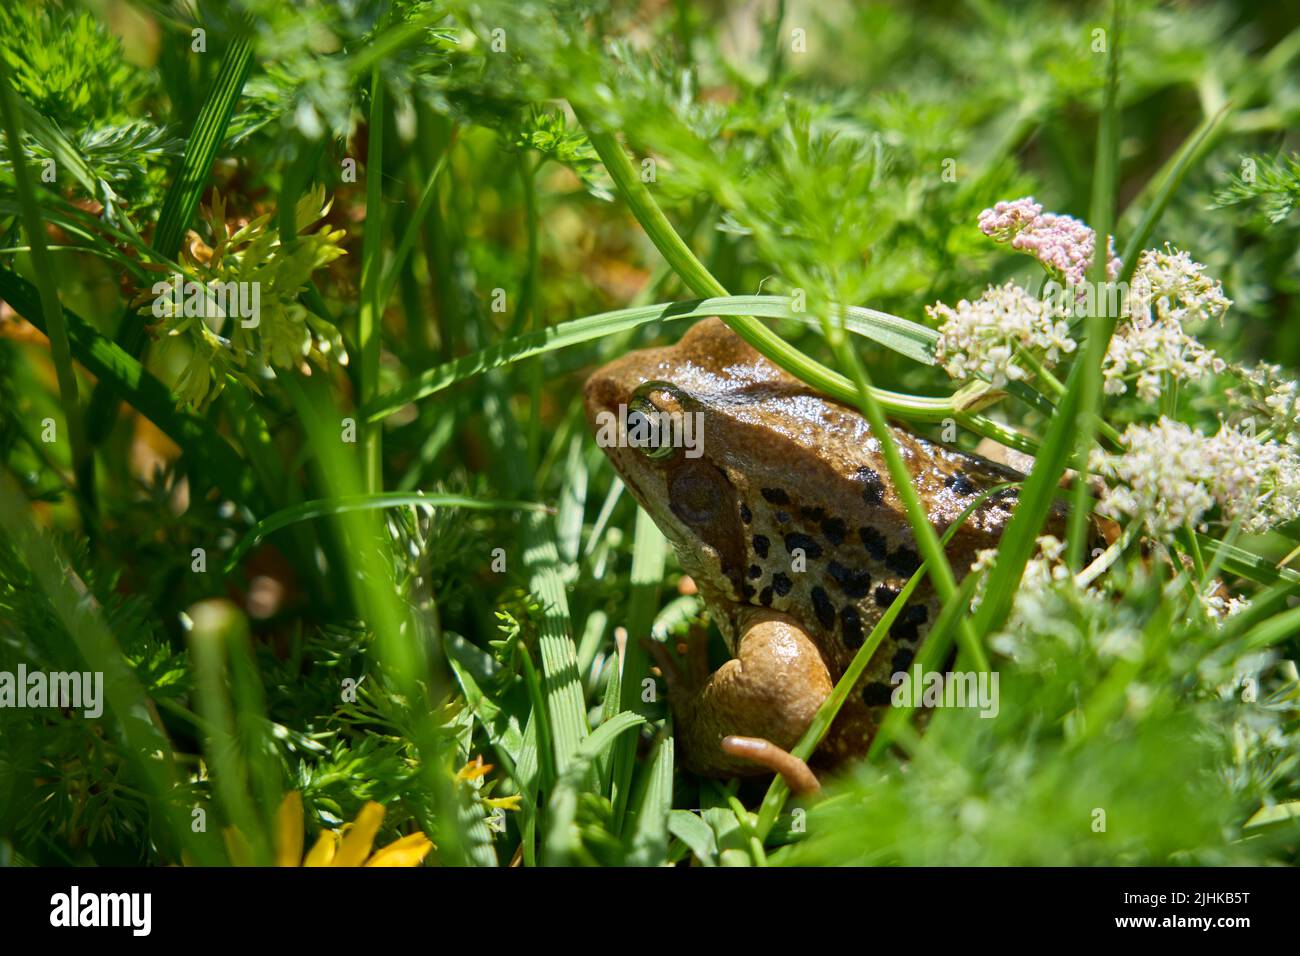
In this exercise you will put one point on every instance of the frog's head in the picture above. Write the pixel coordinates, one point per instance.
(728, 453)
(656, 414)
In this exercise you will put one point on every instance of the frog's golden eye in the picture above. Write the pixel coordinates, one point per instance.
(645, 429)
(650, 427)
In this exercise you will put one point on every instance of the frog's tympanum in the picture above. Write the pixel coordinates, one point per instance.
(784, 514)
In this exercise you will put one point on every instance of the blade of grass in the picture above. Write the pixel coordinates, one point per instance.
(1277, 628)
(536, 765)
(593, 638)
(647, 843)
(562, 685)
(609, 704)
(367, 560)
(293, 180)
(596, 535)
(563, 843)
(411, 234)
(217, 631)
(1245, 564)
(205, 139)
(1098, 323)
(695, 834)
(649, 550)
(56, 328)
(527, 290)
(370, 316)
(573, 503)
(909, 339)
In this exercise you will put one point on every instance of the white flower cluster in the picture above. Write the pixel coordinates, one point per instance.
(1169, 476)
(1220, 608)
(1051, 601)
(1275, 397)
(981, 338)
(1044, 567)
(1151, 346)
(1149, 354)
(1176, 288)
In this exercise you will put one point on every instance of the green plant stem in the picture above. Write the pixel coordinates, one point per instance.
(1042, 371)
(370, 315)
(986, 427)
(927, 539)
(217, 632)
(700, 281)
(963, 402)
(526, 313)
(412, 233)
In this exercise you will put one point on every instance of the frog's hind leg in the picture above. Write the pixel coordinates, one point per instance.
(748, 714)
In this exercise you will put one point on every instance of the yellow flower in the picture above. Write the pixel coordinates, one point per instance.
(348, 846)
(473, 770)
(476, 769)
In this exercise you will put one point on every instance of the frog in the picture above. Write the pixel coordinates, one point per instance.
(782, 512)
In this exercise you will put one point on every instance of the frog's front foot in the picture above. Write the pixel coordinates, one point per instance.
(746, 716)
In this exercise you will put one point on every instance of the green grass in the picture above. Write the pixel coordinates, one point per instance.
(361, 559)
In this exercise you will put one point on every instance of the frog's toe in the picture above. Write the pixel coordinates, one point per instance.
(663, 659)
(796, 774)
(688, 670)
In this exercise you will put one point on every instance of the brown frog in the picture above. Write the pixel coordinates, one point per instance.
(782, 510)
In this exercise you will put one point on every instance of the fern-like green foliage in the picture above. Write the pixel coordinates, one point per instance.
(1271, 184)
(67, 65)
(71, 70)
(548, 132)
(64, 781)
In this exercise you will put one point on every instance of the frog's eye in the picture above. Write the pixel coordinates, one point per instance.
(645, 430)
(649, 427)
